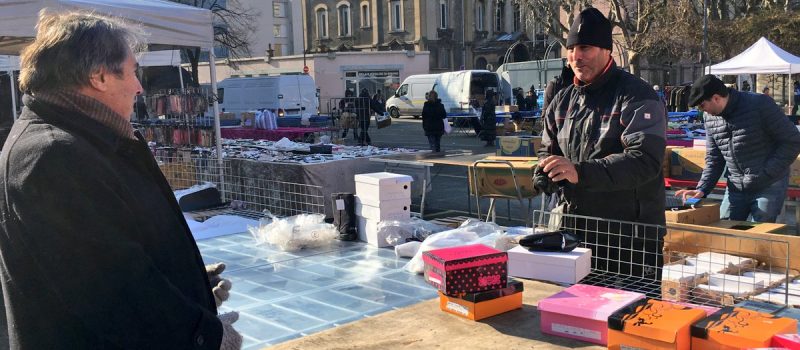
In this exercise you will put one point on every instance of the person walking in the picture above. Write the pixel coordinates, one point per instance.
(489, 119)
(364, 111)
(433, 116)
(97, 259)
(748, 134)
(603, 144)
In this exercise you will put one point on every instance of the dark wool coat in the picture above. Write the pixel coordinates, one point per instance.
(432, 115)
(95, 251)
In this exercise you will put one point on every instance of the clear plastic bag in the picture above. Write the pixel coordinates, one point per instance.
(470, 232)
(399, 231)
(295, 232)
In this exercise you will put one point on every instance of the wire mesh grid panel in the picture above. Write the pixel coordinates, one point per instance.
(243, 195)
(683, 265)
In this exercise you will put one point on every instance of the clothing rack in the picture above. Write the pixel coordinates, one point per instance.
(177, 117)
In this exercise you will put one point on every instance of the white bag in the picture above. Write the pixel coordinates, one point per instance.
(447, 128)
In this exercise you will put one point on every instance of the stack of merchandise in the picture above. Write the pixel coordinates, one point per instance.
(381, 196)
(627, 320)
(472, 281)
(582, 311)
(680, 278)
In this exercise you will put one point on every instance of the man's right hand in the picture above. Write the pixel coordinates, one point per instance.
(684, 194)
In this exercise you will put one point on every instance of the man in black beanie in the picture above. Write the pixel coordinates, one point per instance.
(603, 144)
(749, 134)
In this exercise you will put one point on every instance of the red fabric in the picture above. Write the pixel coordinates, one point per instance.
(682, 143)
(271, 135)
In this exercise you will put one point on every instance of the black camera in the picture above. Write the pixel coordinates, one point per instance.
(542, 183)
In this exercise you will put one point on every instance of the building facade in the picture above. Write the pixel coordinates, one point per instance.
(459, 34)
(279, 30)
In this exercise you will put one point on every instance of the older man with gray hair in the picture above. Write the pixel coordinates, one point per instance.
(95, 251)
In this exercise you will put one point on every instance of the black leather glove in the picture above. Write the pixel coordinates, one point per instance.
(542, 183)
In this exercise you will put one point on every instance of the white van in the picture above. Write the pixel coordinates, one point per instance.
(457, 90)
(410, 96)
(290, 95)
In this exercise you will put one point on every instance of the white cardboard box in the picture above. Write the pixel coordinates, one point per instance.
(374, 188)
(368, 232)
(546, 266)
(395, 209)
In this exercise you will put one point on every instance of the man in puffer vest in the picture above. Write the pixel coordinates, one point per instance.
(749, 134)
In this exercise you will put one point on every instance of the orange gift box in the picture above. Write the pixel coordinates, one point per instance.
(480, 305)
(736, 328)
(653, 325)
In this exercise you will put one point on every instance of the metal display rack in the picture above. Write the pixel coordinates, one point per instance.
(703, 268)
(242, 195)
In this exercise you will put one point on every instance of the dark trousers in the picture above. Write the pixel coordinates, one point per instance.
(435, 142)
(363, 137)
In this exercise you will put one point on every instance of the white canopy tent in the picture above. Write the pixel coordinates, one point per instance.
(167, 25)
(763, 57)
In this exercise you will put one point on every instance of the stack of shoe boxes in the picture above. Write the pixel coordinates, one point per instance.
(379, 197)
(472, 281)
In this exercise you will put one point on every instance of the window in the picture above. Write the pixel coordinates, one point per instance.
(403, 90)
(396, 12)
(443, 14)
(517, 18)
(480, 9)
(278, 9)
(499, 16)
(444, 58)
(279, 30)
(277, 49)
(344, 20)
(322, 23)
(365, 15)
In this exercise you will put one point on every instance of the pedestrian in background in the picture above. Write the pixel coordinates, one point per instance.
(433, 116)
(364, 112)
(796, 97)
(99, 259)
(748, 134)
(765, 91)
(348, 119)
(489, 119)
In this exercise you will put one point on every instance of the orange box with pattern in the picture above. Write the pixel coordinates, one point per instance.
(736, 328)
(466, 269)
(653, 325)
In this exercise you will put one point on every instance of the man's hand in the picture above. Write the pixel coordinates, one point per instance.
(559, 168)
(231, 339)
(685, 194)
(220, 287)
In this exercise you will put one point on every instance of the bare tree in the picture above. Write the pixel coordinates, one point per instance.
(233, 25)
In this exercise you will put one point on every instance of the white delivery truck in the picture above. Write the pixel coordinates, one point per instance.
(457, 90)
(289, 95)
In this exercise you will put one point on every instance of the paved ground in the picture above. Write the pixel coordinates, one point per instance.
(448, 196)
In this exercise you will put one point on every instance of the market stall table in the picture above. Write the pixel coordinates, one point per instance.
(292, 133)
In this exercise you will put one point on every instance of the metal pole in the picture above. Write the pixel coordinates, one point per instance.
(217, 130)
(13, 95)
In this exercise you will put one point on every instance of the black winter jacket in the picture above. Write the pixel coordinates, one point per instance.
(753, 138)
(614, 131)
(96, 253)
(432, 115)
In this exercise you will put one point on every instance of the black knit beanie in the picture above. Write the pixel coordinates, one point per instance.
(590, 28)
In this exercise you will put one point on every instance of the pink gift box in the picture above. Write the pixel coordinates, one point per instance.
(581, 311)
(788, 341)
(466, 269)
